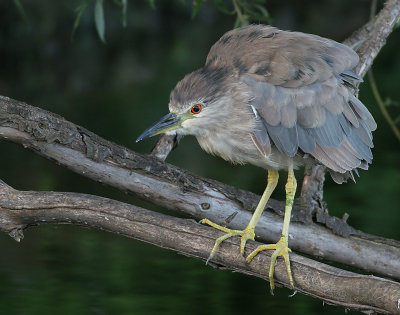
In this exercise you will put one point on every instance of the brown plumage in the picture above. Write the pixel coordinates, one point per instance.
(278, 100)
(297, 92)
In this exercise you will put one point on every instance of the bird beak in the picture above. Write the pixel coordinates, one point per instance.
(167, 123)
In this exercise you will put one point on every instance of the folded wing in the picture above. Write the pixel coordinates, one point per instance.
(301, 90)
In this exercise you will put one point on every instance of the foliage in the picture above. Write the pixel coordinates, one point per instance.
(20, 9)
(383, 105)
(99, 19)
(118, 90)
(246, 12)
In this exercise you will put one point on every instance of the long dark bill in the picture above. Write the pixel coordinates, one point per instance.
(163, 125)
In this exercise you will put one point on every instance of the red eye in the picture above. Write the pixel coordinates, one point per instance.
(196, 108)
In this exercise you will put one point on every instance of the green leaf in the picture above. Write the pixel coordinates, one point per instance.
(79, 11)
(265, 16)
(197, 4)
(152, 4)
(237, 23)
(99, 19)
(263, 10)
(21, 10)
(221, 6)
(124, 11)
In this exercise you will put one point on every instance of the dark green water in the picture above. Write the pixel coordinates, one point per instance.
(117, 90)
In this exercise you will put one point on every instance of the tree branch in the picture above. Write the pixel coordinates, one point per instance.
(86, 153)
(21, 209)
(168, 186)
(370, 38)
(367, 41)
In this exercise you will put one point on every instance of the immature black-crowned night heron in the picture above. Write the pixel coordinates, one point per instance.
(278, 100)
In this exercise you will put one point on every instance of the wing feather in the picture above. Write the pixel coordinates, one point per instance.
(330, 133)
(300, 88)
(260, 135)
(305, 139)
(285, 139)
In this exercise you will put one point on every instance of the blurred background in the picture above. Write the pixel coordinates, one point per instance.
(117, 90)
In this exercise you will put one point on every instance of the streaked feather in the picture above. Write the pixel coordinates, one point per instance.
(295, 89)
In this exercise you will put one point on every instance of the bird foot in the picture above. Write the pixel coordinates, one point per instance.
(281, 249)
(245, 235)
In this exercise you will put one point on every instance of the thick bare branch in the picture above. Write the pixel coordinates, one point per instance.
(168, 186)
(369, 39)
(164, 146)
(21, 209)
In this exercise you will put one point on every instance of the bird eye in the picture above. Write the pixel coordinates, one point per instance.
(196, 108)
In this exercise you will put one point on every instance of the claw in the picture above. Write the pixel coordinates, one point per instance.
(281, 249)
(245, 235)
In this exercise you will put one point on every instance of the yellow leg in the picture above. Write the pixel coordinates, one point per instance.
(248, 232)
(281, 248)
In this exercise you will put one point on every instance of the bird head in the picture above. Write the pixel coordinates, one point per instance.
(194, 104)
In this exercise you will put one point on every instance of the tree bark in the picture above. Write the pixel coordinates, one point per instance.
(369, 39)
(168, 186)
(20, 209)
(367, 42)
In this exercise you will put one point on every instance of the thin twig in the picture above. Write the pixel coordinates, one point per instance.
(375, 91)
(369, 40)
(239, 13)
(382, 105)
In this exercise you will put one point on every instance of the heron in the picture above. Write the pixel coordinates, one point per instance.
(278, 100)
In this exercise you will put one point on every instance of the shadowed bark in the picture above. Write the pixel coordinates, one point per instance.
(81, 151)
(20, 209)
(168, 186)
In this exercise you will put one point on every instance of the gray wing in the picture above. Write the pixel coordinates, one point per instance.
(282, 58)
(300, 86)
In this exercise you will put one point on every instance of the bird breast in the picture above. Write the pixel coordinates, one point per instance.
(231, 140)
(227, 147)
